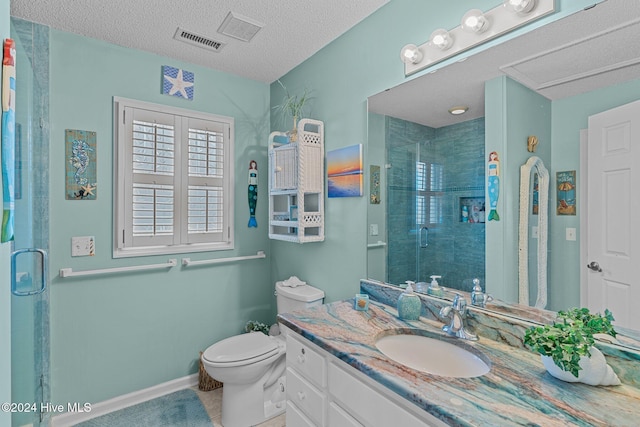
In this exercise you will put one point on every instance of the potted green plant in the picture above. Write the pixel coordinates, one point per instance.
(255, 326)
(567, 347)
(292, 105)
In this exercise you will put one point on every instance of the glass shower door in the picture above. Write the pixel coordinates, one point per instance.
(415, 212)
(30, 294)
(403, 222)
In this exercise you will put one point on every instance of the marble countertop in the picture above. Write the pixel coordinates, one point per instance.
(516, 391)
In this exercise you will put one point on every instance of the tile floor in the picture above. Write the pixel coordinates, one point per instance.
(212, 402)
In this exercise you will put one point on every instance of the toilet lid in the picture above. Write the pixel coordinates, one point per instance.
(255, 345)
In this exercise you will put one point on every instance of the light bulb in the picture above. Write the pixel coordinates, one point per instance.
(474, 21)
(519, 6)
(441, 39)
(456, 111)
(411, 54)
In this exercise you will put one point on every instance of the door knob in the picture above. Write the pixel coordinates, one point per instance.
(594, 266)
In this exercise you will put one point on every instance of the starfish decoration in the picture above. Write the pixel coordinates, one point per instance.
(88, 189)
(178, 84)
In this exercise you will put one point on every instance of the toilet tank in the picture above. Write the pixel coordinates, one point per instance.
(297, 298)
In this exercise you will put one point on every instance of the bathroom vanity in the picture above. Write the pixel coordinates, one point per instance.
(336, 376)
(323, 390)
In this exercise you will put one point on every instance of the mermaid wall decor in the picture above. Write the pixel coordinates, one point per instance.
(493, 185)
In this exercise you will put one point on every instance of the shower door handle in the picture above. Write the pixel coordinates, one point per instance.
(43, 272)
(424, 237)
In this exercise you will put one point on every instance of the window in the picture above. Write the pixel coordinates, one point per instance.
(429, 188)
(174, 180)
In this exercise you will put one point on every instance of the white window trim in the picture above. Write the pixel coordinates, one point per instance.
(120, 191)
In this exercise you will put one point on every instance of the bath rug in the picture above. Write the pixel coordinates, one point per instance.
(180, 409)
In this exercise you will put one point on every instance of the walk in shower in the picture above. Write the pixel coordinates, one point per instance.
(435, 207)
(30, 306)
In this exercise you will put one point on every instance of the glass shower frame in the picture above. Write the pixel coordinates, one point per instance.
(30, 313)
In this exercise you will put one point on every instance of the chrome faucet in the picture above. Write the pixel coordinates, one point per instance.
(457, 310)
(479, 298)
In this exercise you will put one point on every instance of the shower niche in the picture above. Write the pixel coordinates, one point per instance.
(472, 210)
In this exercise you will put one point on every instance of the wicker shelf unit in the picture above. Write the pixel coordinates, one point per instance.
(296, 184)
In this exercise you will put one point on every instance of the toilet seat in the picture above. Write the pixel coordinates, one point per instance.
(241, 349)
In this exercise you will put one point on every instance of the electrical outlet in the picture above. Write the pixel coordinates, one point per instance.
(83, 246)
(373, 229)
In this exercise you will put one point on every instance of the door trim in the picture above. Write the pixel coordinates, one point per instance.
(584, 220)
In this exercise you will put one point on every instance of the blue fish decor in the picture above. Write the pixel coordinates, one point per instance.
(493, 185)
(253, 193)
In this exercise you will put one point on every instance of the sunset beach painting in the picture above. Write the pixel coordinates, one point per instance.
(345, 172)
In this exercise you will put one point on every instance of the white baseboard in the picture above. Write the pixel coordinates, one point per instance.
(120, 402)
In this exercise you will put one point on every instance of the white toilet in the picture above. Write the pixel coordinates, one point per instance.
(251, 366)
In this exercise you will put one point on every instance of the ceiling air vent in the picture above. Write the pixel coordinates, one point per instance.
(198, 40)
(239, 27)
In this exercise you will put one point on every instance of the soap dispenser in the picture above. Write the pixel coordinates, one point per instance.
(434, 288)
(409, 304)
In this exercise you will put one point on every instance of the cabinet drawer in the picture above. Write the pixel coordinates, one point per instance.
(295, 418)
(306, 397)
(306, 361)
(338, 417)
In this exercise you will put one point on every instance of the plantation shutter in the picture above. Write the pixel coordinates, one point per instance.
(152, 187)
(206, 152)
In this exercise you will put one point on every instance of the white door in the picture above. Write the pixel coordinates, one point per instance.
(613, 253)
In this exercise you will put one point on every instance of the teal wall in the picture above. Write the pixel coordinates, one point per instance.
(114, 334)
(5, 277)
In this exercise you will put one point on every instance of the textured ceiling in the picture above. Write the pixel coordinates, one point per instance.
(588, 50)
(293, 30)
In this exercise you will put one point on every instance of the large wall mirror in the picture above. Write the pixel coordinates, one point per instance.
(431, 216)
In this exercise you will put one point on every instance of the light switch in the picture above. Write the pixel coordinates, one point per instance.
(373, 229)
(534, 232)
(83, 246)
(571, 234)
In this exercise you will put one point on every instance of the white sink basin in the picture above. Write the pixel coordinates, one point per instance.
(434, 355)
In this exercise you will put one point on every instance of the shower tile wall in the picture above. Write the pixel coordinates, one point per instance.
(455, 249)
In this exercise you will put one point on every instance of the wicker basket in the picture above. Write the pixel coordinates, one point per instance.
(205, 382)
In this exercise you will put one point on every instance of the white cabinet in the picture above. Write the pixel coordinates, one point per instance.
(322, 390)
(296, 184)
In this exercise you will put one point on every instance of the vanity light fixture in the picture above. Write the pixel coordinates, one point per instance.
(473, 31)
(456, 111)
(410, 54)
(474, 21)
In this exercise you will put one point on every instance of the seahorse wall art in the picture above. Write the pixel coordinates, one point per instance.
(81, 165)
